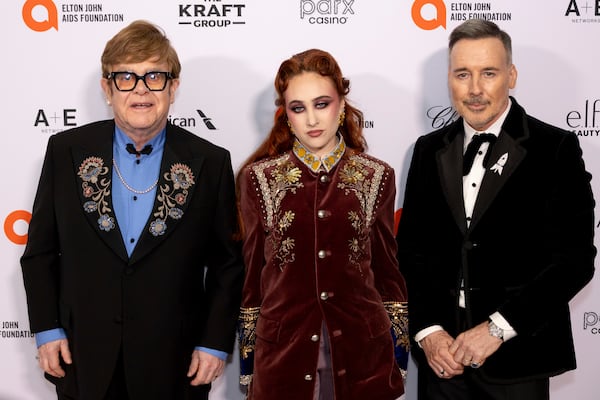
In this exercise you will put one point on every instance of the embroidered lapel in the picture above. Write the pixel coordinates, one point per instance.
(93, 171)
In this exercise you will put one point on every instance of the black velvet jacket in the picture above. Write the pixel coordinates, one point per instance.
(529, 248)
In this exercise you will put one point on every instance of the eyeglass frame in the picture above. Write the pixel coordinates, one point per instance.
(111, 76)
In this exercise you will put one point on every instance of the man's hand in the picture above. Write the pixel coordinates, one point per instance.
(436, 346)
(49, 357)
(205, 367)
(473, 347)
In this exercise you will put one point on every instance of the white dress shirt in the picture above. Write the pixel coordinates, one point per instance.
(471, 184)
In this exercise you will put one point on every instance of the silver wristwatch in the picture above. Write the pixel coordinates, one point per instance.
(495, 330)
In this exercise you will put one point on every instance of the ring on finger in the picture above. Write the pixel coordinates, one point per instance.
(442, 372)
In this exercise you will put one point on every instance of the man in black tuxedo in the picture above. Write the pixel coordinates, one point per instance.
(496, 242)
(132, 275)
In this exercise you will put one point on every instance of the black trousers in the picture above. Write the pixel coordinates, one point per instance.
(117, 390)
(470, 386)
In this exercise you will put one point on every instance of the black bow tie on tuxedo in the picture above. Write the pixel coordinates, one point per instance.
(473, 147)
(131, 150)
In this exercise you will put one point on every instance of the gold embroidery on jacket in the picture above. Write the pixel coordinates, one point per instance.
(248, 317)
(247, 338)
(398, 313)
(315, 163)
(284, 178)
(356, 244)
(356, 178)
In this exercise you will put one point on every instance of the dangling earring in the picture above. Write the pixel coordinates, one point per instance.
(290, 126)
(342, 117)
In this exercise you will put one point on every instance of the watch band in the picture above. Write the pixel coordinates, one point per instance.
(495, 330)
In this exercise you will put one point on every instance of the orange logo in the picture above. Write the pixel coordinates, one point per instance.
(9, 228)
(40, 26)
(429, 24)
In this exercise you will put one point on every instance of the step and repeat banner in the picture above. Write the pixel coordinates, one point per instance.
(393, 51)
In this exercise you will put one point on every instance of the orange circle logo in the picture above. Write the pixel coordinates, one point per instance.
(9, 226)
(429, 24)
(40, 26)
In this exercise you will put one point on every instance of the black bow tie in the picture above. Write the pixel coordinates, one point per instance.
(473, 147)
(131, 150)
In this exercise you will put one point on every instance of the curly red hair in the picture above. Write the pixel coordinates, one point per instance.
(280, 138)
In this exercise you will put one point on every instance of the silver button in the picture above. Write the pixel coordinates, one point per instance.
(322, 254)
(308, 377)
(314, 338)
(324, 178)
(324, 295)
(321, 213)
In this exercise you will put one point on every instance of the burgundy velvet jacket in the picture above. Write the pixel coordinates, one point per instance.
(319, 249)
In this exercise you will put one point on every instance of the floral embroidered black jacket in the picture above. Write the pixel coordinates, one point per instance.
(154, 306)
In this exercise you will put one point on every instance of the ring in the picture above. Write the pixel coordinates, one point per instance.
(475, 365)
(442, 372)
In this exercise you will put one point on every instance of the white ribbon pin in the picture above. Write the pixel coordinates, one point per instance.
(499, 165)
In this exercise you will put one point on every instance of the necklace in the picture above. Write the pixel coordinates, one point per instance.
(127, 185)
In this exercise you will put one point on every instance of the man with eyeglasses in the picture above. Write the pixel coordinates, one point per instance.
(132, 275)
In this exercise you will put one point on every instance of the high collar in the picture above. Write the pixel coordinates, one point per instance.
(315, 163)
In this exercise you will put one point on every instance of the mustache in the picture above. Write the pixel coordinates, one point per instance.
(475, 101)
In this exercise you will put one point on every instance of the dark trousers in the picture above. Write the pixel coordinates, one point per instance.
(470, 386)
(117, 390)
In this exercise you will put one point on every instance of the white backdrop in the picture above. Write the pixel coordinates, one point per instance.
(394, 53)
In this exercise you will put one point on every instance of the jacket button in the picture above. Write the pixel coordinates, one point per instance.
(128, 271)
(314, 338)
(324, 178)
(322, 254)
(324, 295)
(308, 377)
(321, 214)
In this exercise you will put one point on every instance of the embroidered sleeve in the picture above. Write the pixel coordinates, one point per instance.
(398, 313)
(247, 338)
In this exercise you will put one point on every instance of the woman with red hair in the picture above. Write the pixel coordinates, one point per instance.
(324, 305)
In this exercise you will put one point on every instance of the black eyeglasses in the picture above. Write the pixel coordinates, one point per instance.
(125, 81)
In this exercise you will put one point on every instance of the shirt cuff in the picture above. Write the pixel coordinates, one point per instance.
(217, 353)
(503, 324)
(426, 332)
(50, 335)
